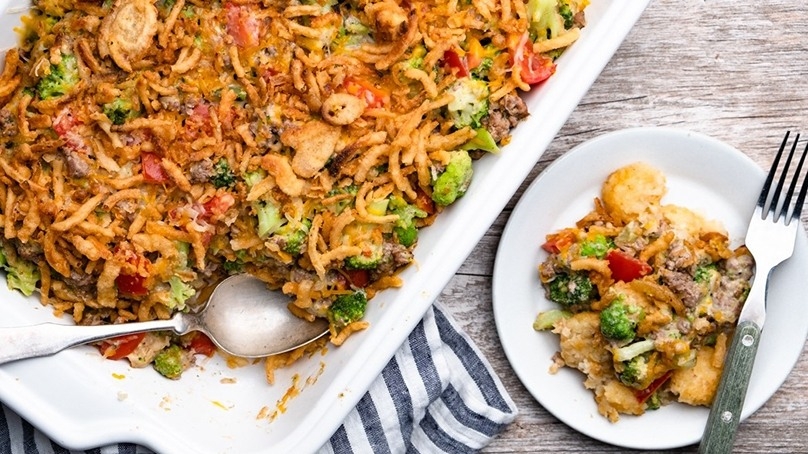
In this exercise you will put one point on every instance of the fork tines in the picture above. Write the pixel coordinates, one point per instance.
(785, 209)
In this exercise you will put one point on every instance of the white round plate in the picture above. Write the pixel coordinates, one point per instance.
(703, 174)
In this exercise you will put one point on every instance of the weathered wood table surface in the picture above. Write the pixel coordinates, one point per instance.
(733, 69)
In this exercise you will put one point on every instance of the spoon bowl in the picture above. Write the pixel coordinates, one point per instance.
(244, 318)
(241, 315)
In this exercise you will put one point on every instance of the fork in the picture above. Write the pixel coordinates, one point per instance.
(770, 238)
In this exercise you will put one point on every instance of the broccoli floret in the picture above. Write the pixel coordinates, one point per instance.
(635, 372)
(406, 235)
(352, 34)
(545, 20)
(223, 176)
(166, 4)
(188, 11)
(653, 402)
(21, 274)
(183, 251)
(470, 103)
(120, 110)
(481, 71)
(233, 266)
(241, 93)
(252, 178)
(180, 292)
(570, 289)
(348, 308)
(618, 321)
(349, 193)
(170, 362)
(566, 13)
(455, 179)
(416, 59)
(631, 350)
(61, 78)
(353, 25)
(706, 273)
(482, 141)
(405, 229)
(547, 319)
(237, 265)
(597, 247)
(291, 238)
(415, 62)
(294, 242)
(270, 217)
(368, 259)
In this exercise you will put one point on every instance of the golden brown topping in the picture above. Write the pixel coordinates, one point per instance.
(342, 109)
(256, 136)
(314, 142)
(127, 32)
(279, 167)
(187, 60)
(9, 79)
(391, 19)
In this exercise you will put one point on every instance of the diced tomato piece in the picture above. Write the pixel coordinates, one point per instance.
(358, 278)
(456, 63)
(219, 204)
(242, 26)
(268, 73)
(643, 394)
(64, 122)
(201, 344)
(152, 168)
(424, 202)
(65, 125)
(131, 284)
(120, 347)
(198, 122)
(537, 68)
(556, 242)
(534, 68)
(216, 206)
(625, 267)
(373, 96)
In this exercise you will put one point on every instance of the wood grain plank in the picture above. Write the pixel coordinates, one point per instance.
(732, 69)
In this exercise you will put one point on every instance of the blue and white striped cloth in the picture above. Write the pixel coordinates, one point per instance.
(438, 394)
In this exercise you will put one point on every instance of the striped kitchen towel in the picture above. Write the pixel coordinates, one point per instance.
(438, 394)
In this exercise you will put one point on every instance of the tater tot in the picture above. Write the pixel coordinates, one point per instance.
(630, 190)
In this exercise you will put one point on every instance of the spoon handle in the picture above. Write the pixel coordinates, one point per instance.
(49, 338)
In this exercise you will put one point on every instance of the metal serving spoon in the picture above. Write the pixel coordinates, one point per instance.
(241, 316)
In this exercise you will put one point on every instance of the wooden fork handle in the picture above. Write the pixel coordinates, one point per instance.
(725, 414)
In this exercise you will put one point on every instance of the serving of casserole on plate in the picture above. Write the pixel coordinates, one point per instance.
(702, 174)
(82, 400)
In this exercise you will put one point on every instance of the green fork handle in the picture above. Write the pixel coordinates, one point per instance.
(725, 415)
